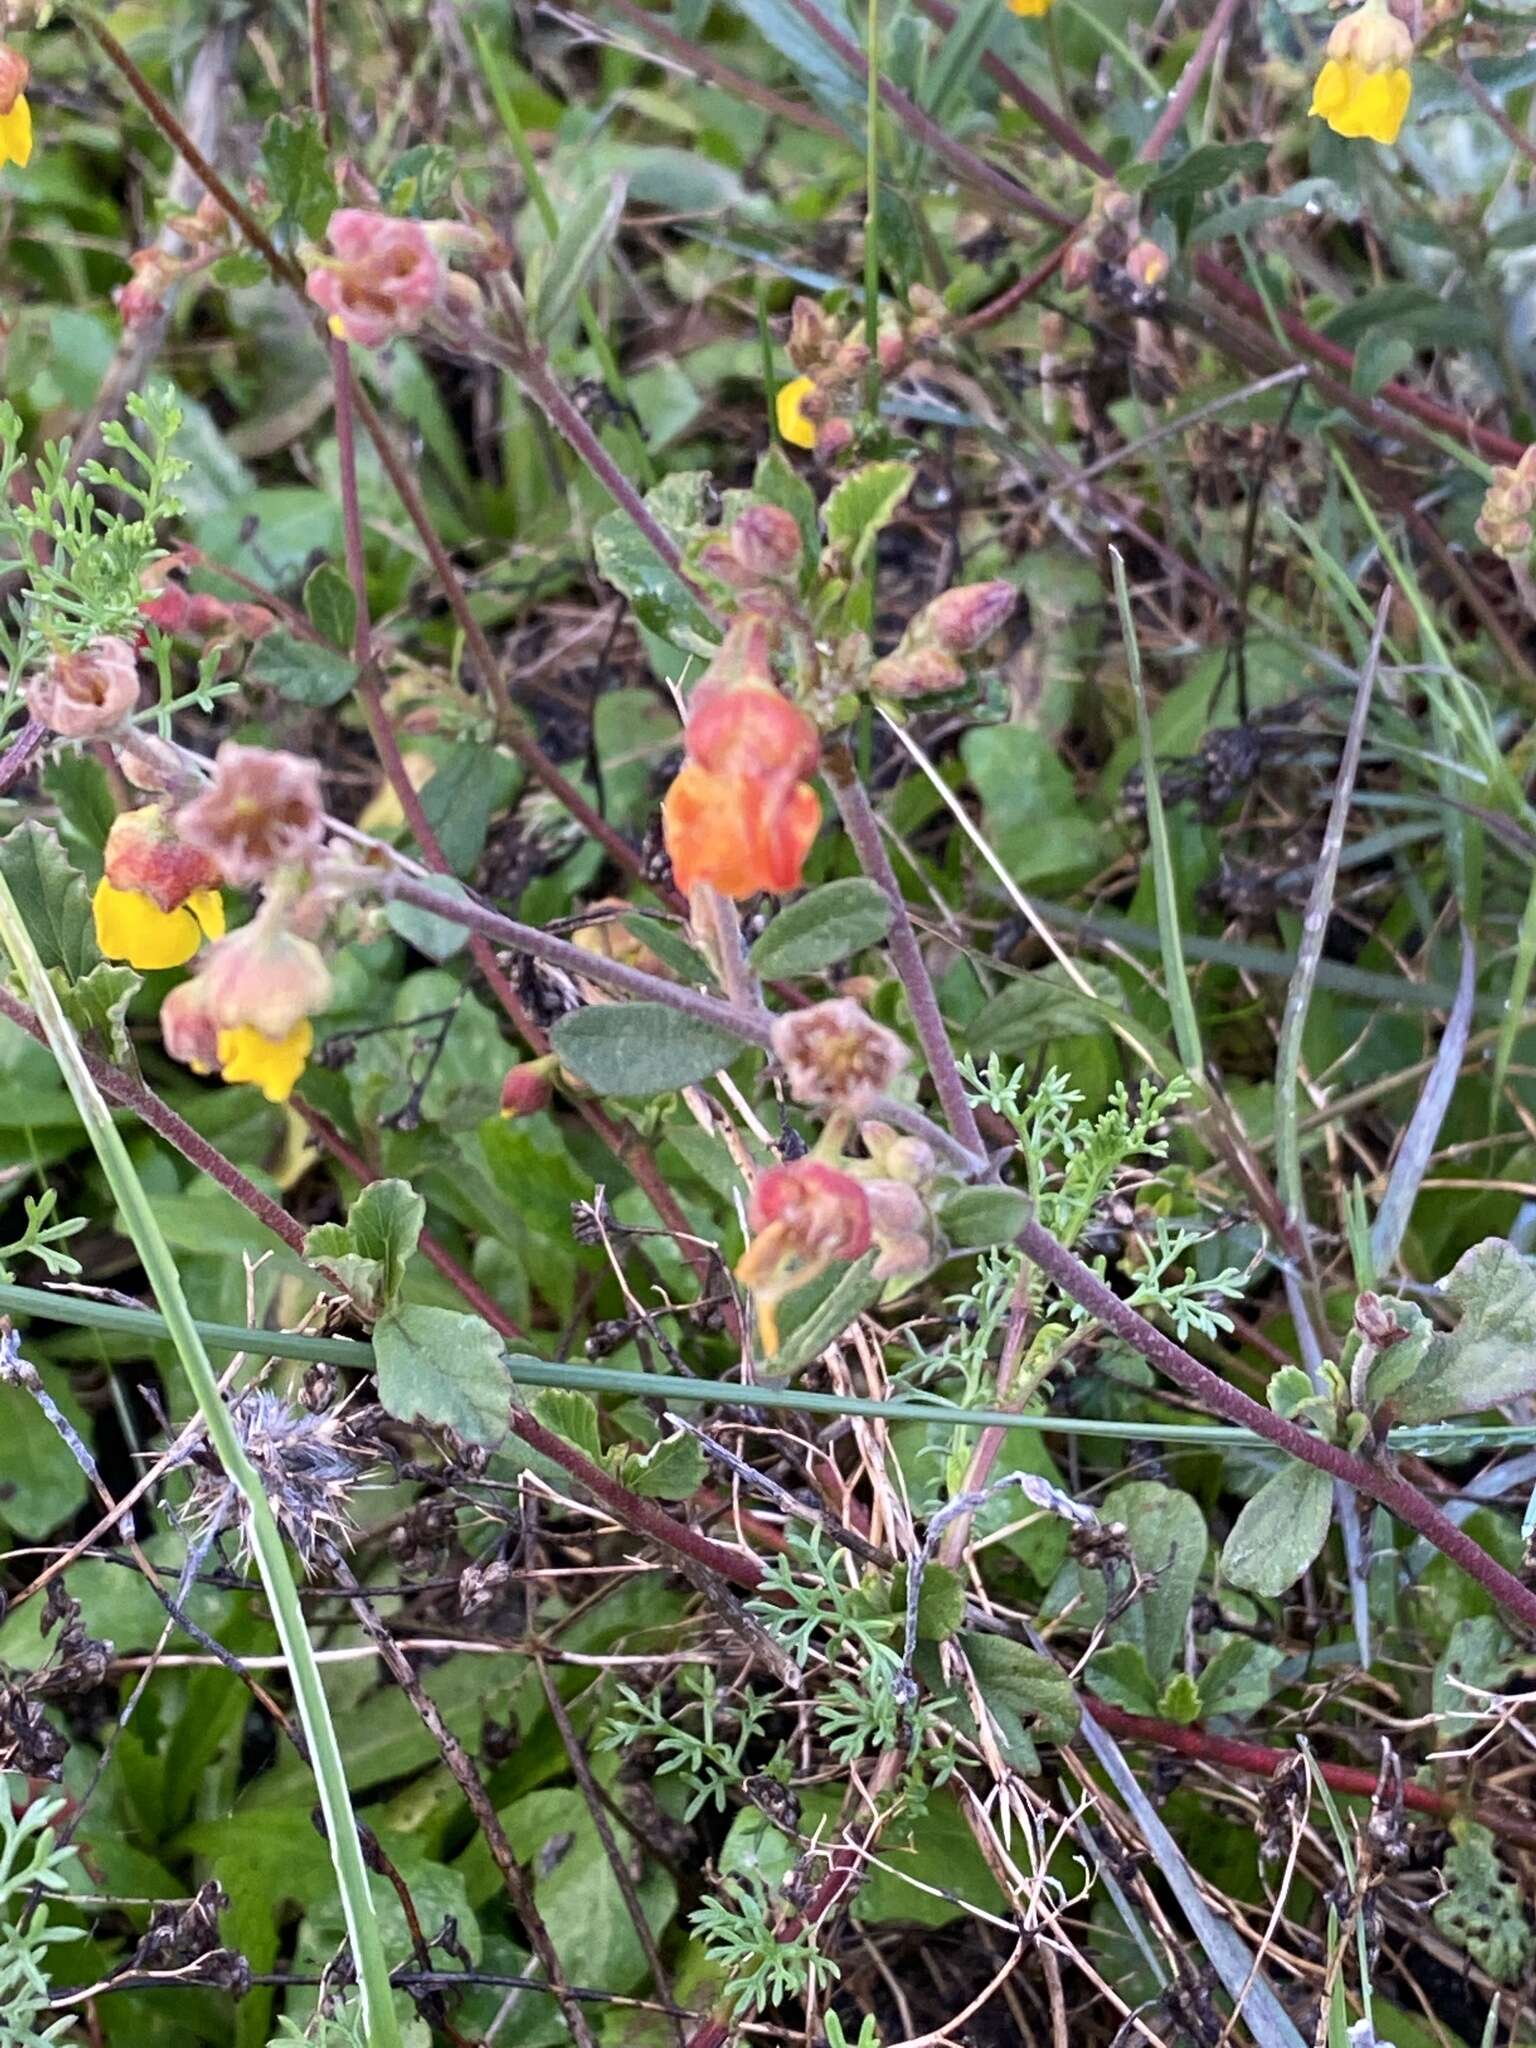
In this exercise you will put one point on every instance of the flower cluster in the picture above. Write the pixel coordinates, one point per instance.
(158, 897)
(1504, 524)
(741, 814)
(385, 277)
(1364, 86)
(15, 114)
(931, 655)
(1110, 254)
(815, 409)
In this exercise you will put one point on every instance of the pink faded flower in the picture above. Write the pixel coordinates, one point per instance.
(87, 692)
(383, 280)
(265, 978)
(835, 1055)
(902, 1228)
(261, 811)
(188, 1029)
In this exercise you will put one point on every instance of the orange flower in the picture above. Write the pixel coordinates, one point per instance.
(805, 1217)
(738, 833)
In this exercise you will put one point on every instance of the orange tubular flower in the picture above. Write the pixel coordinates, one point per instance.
(805, 1217)
(741, 815)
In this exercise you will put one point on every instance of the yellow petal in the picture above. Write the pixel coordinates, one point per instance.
(16, 133)
(1031, 9)
(207, 906)
(272, 1064)
(1399, 93)
(131, 926)
(1331, 90)
(796, 429)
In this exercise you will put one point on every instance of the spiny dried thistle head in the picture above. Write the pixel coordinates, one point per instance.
(309, 1466)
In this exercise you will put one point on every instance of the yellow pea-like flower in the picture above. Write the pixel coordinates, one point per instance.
(789, 409)
(131, 926)
(16, 132)
(271, 1064)
(1364, 87)
(1030, 9)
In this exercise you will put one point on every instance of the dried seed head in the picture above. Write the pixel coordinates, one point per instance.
(309, 1465)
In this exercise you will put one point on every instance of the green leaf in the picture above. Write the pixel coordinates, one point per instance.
(1202, 170)
(822, 927)
(640, 1049)
(300, 671)
(1119, 1674)
(439, 938)
(51, 896)
(973, 1218)
(1240, 1677)
(958, 56)
(810, 61)
(570, 1414)
(674, 952)
(1483, 1911)
(418, 182)
(368, 1253)
(1180, 1701)
(853, 1292)
(1280, 1531)
(435, 1365)
(1477, 1660)
(239, 270)
(78, 784)
(674, 1469)
(626, 559)
(97, 1006)
(584, 239)
(940, 1602)
(331, 605)
(1289, 1391)
(859, 509)
(1018, 1682)
(1381, 356)
(1487, 1360)
(1167, 1535)
(298, 173)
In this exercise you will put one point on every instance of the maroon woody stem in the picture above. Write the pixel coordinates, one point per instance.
(1171, 119)
(21, 753)
(1379, 1480)
(863, 829)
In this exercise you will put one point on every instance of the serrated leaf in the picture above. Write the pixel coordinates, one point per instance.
(1018, 1682)
(582, 242)
(368, 1253)
(940, 1602)
(418, 182)
(52, 898)
(437, 1366)
(973, 1218)
(674, 1469)
(298, 173)
(331, 605)
(1180, 1700)
(571, 1415)
(1119, 1674)
(300, 671)
(1280, 1531)
(1487, 1360)
(1483, 1911)
(860, 508)
(97, 1006)
(855, 1290)
(822, 927)
(640, 1049)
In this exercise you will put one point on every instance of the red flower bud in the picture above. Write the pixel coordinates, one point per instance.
(766, 541)
(963, 620)
(145, 852)
(527, 1088)
(916, 672)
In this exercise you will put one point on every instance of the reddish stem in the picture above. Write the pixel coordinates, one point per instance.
(21, 753)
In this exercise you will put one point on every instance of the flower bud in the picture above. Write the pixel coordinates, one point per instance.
(170, 608)
(902, 1228)
(14, 73)
(85, 692)
(895, 1156)
(261, 811)
(963, 620)
(141, 300)
(832, 437)
(811, 335)
(766, 542)
(835, 1055)
(1146, 265)
(916, 672)
(528, 1086)
(187, 1027)
(144, 851)
(383, 280)
(266, 978)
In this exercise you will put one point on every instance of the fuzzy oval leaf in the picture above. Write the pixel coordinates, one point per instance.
(1487, 1360)
(583, 240)
(331, 605)
(435, 1365)
(640, 1048)
(972, 1218)
(1279, 1532)
(854, 1291)
(822, 927)
(301, 671)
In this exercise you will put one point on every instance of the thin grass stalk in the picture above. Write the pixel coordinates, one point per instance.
(267, 1547)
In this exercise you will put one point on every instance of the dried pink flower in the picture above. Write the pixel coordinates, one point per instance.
(834, 1054)
(265, 977)
(261, 811)
(383, 280)
(86, 692)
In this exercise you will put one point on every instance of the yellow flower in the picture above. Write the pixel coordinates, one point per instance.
(1031, 9)
(272, 1064)
(131, 926)
(16, 133)
(1364, 88)
(789, 408)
